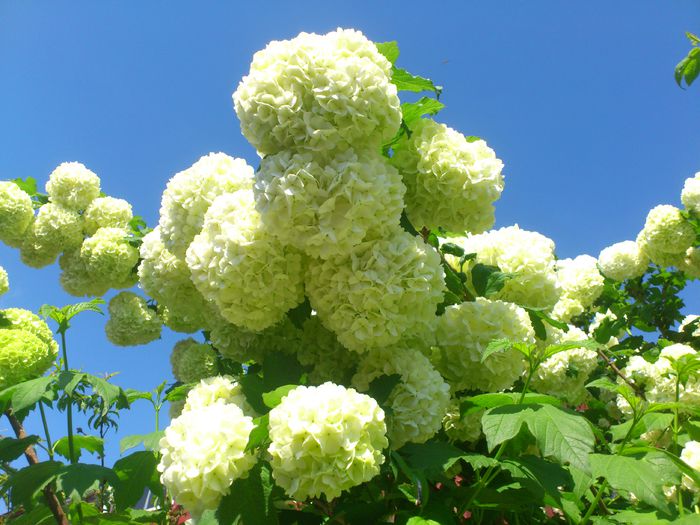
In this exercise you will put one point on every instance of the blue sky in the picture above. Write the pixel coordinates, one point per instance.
(577, 99)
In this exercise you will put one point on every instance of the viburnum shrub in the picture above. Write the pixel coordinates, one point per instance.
(360, 345)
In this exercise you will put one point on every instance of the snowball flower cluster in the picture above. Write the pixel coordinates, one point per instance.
(418, 402)
(28, 347)
(623, 260)
(318, 92)
(109, 258)
(380, 292)
(166, 278)
(192, 361)
(326, 207)
(528, 255)
(189, 194)
(666, 235)
(73, 186)
(581, 284)
(690, 196)
(237, 264)
(691, 456)
(463, 333)
(462, 427)
(54, 230)
(217, 389)
(451, 182)
(566, 373)
(131, 321)
(203, 453)
(107, 212)
(16, 213)
(325, 440)
(4, 281)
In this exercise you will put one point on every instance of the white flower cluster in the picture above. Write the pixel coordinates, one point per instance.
(581, 284)
(623, 260)
(4, 281)
(325, 440)
(382, 291)
(451, 182)
(463, 334)
(16, 213)
(528, 255)
(321, 351)
(326, 207)
(73, 186)
(54, 230)
(666, 236)
(318, 92)
(690, 196)
(418, 402)
(131, 321)
(462, 427)
(566, 373)
(217, 389)
(691, 456)
(192, 361)
(107, 212)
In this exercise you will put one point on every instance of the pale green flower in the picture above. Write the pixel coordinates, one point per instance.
(107, 212)
(109, 258)
(217, 389)
(16, 213)
(54, 230)
(666, 231)
(4, 281)
(131, 321)
(325, 440)
(451, 182)
(192, 361)
(73, 186)
(690, 196)
(623, 260)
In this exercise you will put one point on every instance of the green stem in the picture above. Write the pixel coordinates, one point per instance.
(681, 510)
(49, 445)
(595, 503)
(69, 406)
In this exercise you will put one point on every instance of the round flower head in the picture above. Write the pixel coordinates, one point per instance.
(451, 182)
(237, 264)
(318, 92)
(109, 258)
(75, 278)
(16, 213)
(663, 259)
(4, 281)
(217, 389)
(691, 456)
(691, 263)
(322, 352)
(189, 194)
(690, 196)
(528, 255)
(580, 279)
(463, 333)
(325, 440)
(131, 322)
(166, 278)
(380, 292)
(458, 427)
(203, 453)
(325, 208)
(242, 346)
(55, 229)
(73, 186)
(192, 361)
(28, 347)
(566, 373)
(667, 231)
(418, 402)
(107, 212)
(622, 261)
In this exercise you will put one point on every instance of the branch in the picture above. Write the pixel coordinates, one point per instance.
(617, 371)
(33, 459)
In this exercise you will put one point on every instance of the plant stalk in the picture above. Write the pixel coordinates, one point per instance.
(69, 407)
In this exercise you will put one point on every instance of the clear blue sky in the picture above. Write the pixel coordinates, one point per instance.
(577, 98)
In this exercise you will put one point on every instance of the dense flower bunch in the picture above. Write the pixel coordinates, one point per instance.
(192, 361)
(28, 346)
(217, 389)
(452, 182)
(107, 212)
(325, 440)
(131, 321)
(690, 196)
(16, 213)
(623, 260)
(73, 186)
(4, 281)
(581, 284)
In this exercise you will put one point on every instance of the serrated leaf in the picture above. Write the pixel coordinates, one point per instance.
(634, 517)
(648, 422)
(497, 399)
(11, 448)
(495, 346)
(150, 441)
(631, 475)
(489, 280)
(92, 444)
(538, 475)
(274, 398)
(179, 392)
(260, 433)
(135, 472)
(26, 394)
(133, 395)
(110, 394)
(405, 81)
(551, 350)
(75, 480)
(27, 185)
(451, 248)
(452, 280)
(413, 111)
(436, 457)
(250, 499)
(24, 483)
(688, 68)
(390, 50)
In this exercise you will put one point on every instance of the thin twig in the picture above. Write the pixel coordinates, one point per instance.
(617, 371)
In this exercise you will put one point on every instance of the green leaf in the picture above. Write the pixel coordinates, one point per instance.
(380, 389)
(150, 441)
(178, 393)
(260, 433)
(281, 369)
(452, 281)
(110, 394)
(648, 422)
(135, 472)
(75, 480)
(634, 517)
(497, 399)
(497, 345)
(25, 483)
(11, 448)
(538, 475)
(489, 280)
(413, 111)
(451, 248)
(405, 81)
(417, 520)
(250, 499)
(390, 50)
(436, 457)
(39, 515)
(133, 395)
(26, 394)
(27, 185)
(68, 380)
(253, 388)
(688, 68)
(274, 398)
(551, 350)
(631, 475)
(299, 314)
(92, 444)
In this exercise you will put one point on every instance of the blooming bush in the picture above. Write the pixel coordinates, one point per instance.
(364, 347)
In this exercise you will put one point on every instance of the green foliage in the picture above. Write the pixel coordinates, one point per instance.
(688, 69)
(251, 499)
(91, 444)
